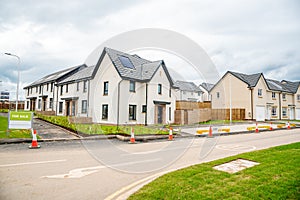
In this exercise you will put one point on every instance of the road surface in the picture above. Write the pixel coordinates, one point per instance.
(111, 169)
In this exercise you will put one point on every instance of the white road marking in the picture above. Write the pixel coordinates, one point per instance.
(32, 163)
(81, 172)
(236, 147)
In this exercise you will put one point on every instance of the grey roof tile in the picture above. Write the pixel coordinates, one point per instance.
(187, 86)
(207, 86)
(53, 77)
(251, 79)
(292, 86)
(85, 72)
(277, 86)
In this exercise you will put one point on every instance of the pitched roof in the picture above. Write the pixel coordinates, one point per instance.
(207, 86)
(292, 86)
(277, 86)
(187, 86)
(85, 72)
(251, 79)
(54, 76)
(133, 67)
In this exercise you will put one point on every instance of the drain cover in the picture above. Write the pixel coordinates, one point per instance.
(235, 166)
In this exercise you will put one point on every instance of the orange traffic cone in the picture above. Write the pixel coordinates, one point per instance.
(132, 139)
(288, 125)
(271, 128)
(210, 132)
(34, 143)
(171, 134)
(256, 128)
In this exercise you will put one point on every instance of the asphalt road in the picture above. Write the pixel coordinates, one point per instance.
(111, 169)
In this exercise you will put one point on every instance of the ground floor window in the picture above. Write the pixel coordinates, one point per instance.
(144, 108)
(274, 111)
(105, 111)
(84, 106)
(132, 112)
(284, 112)
(51, 103)
(39, 103)
(60, 107)
(170, 113)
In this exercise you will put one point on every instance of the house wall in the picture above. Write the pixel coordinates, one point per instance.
(106, 72)
(240, 94)
(205, 95)
(160, 77)
(188, 95)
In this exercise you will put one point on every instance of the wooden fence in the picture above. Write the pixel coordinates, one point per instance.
(224, 114)
(189, 105)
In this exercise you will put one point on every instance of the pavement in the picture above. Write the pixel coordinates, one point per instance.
(50, 132)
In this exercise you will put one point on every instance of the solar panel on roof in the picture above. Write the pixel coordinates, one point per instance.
(126, 62)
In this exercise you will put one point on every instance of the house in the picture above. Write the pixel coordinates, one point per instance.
(188, 91)
(260, 97)
(120, 89)
(205, 88)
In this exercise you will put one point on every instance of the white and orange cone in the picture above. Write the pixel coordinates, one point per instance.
(256, 128)
(288, 125)
(171, 134)
(132, 139)
(210, 132)
(34, 143)
(271, 128)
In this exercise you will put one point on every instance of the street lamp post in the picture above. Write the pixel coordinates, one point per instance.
(17, 94)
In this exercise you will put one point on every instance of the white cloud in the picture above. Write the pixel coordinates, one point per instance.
(245, 36)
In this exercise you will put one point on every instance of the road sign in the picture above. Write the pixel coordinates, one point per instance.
(20, 120)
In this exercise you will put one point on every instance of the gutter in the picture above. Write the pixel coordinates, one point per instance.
(118, 104)
(279, 99)
(88, 99)
(146, 116)
(57, 103)
(251, 89)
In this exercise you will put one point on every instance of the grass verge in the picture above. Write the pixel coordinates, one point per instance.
(12, 133)
(277, 177)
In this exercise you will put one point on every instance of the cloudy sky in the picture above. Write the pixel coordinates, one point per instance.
(244, 36)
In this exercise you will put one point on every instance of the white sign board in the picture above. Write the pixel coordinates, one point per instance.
(20, 120)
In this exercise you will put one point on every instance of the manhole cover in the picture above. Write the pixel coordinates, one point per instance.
(235, 166)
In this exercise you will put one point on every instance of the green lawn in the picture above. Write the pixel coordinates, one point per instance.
(12, 133)
(103, 129)
(277, 177)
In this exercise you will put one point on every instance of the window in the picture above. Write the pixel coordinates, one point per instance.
(105, 88)
(144, 109)
(67, 88)
(132, 86)
(126, 62)
(51, 88)
(105, 111)
(61, 89)
(39, 104)
(199, 94)
(283, 97)
(170, 113)
(159, 89)
(36, 89)
(273, 95)
(40, 89)
(274, 111)
(284, 112)
(60, 107)
(298, 97)
(218, 94)
(27, 104)
(84, 106)
(132, 112)
(51, 103)
(47, 86)
(77, 87)
(84, 86)
(28, 92)
(259, 92)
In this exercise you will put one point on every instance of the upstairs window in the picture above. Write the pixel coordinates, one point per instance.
(259, 92)
(273, 95)
(51, 87)
(61, 89)
(298, 97)
(132, 86)
(47, 86)
(218, 95)
(40, 90)
(105, 88)
(77, 86)
(159, 89)
(283, 97)
(84, 86)
(126, 62)
(67, 88)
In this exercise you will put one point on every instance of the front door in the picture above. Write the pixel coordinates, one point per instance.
(292, 111)
(67, 108)
(159, 114)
